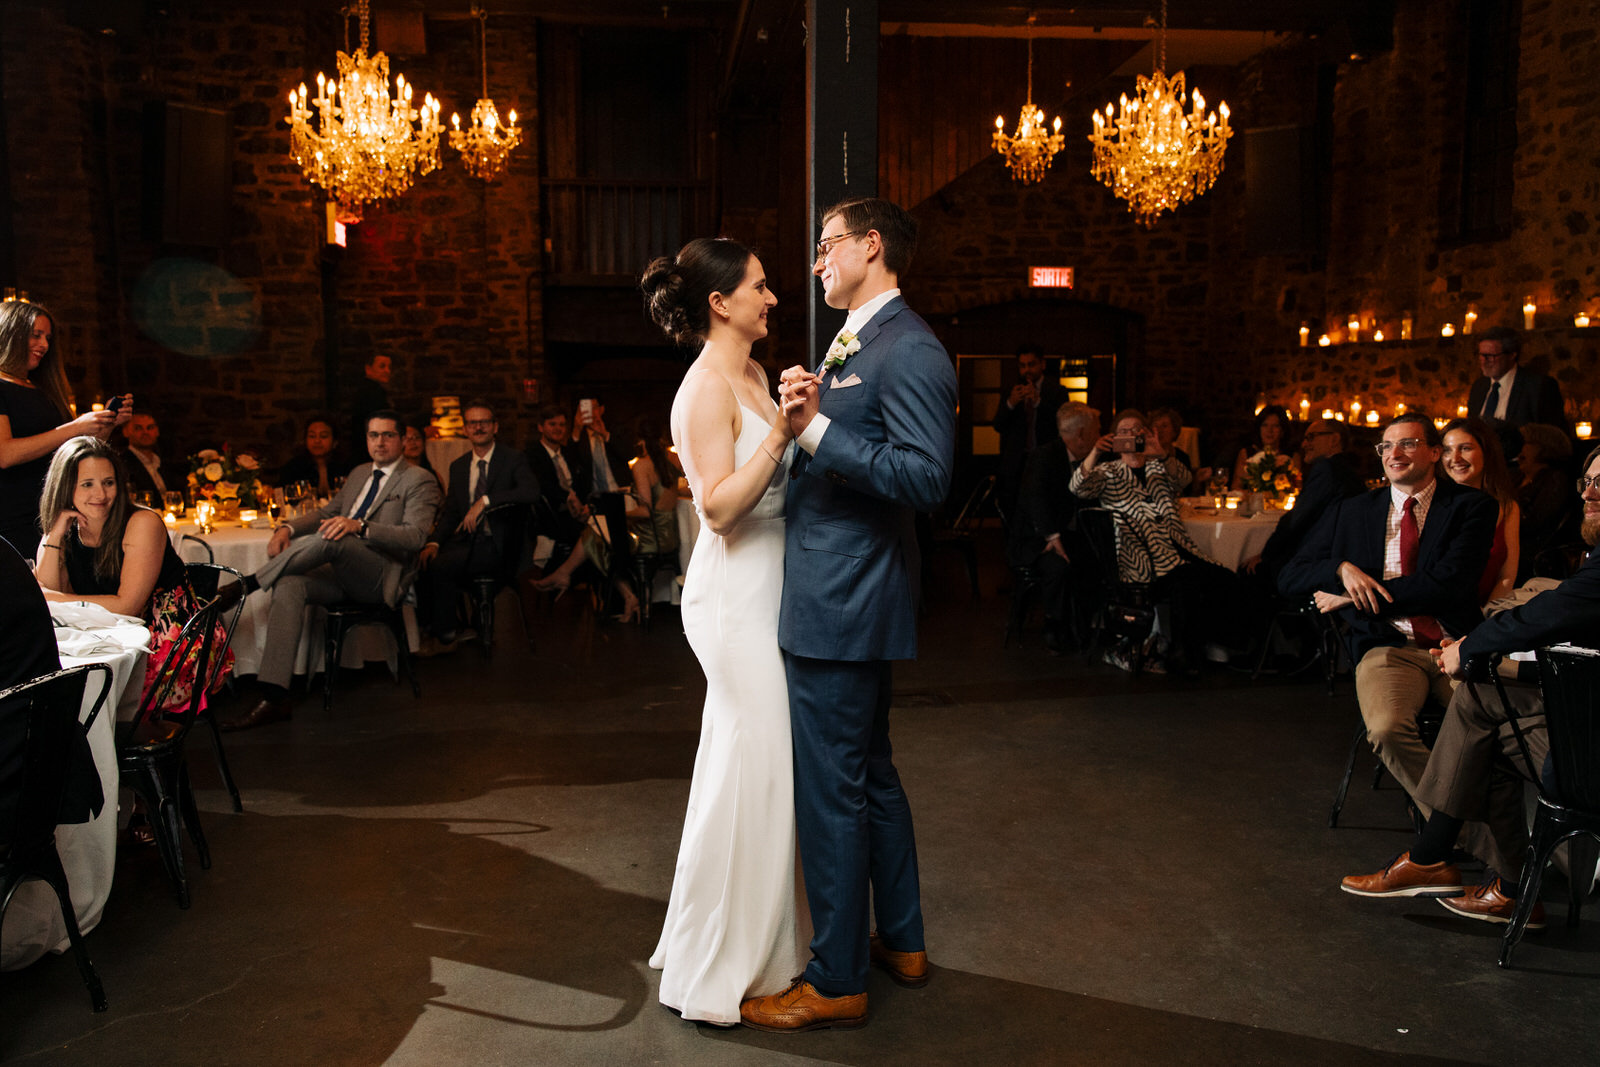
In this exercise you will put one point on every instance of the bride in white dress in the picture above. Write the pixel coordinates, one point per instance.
(736, 925)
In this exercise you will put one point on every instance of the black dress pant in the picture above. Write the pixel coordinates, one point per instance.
(457, 563)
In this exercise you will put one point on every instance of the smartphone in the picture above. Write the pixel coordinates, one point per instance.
(114, 405)
(1123, 443)
(586, 412)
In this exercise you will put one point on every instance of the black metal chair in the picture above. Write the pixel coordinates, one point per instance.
(1127, 610)
(647, 567)
(516, 519)
(205, 581)
(961, 532)
(211, 557)
(150, 747)
(1569, 794)
(341, 617)
(28, 837)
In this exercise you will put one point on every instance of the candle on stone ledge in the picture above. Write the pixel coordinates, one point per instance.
(1581, 319)
(1461, 411)
(1470, 318)
(1354, 326)
(1324, 341)
(1529, 308)
(1327, 413)
(1447, 330)
(1584, 430)
(1372, 416)
(1440, 423)
(1405, 326)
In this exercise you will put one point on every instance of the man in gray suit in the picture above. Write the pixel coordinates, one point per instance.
(362, 545)
(876, 430)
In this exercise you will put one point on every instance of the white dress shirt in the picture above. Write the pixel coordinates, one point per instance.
(1505, 381)
(152, 463)
(811, 437)
(472, 474)
(366, 487)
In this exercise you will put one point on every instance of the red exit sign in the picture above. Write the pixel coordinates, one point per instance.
(1050, 277)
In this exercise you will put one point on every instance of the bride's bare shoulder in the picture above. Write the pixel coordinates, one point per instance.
(704, 394)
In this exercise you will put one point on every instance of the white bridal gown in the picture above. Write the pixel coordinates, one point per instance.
(733, 929)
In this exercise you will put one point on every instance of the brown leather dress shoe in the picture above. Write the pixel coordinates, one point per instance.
(1487, 904)
(1402, 878)
(910, 969)
(267, 711)
(801, 1007)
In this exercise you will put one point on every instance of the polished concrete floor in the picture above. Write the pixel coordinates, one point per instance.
(1114, 871)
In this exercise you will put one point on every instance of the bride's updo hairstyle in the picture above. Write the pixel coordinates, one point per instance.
(678, 290)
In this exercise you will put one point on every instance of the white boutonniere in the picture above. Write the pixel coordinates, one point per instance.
(844, 346)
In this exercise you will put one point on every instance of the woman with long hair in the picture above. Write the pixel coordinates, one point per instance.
(735, 926)
(35, 416)
(1271, 434)
(101, 548)
(1472, 456)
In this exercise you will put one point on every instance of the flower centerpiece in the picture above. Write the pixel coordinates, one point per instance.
(1270, 473)
(226, 478)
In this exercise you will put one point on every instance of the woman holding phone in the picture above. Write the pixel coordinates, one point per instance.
(35, 418)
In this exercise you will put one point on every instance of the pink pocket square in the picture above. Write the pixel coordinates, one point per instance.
(845, 383)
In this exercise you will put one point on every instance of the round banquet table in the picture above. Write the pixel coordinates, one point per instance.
(1227, 537)
(88, 850)
(245, 549)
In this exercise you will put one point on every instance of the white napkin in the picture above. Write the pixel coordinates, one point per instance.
(84, 629)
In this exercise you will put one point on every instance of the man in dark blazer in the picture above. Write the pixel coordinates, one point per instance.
(876, 430)
(1464, 779)
(1025, 420)
(1398, 609)
(463, 544)
(362, 545)
(1509, 391)
(1331, 473)
(564, 477)
(1044, 531)
(147, 471)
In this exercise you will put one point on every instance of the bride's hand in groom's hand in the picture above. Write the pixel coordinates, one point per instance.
(800, 404)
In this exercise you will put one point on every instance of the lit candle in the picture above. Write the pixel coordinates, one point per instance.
(1400, 407)
(1528, 310)
(1377, 335)
(1305, 407)
(1288, 502)
(1440, 423)
(1405, 326)
(1372, 416)
(1324, 340)
(1583, 430)
(1581, 319)
(1447, 330)
(1470, 318)
(169, 518)
(97, 407)
(1327, 413)
(1261, 402)
(248, 515)
(1354, 326)
(1355, 409)
(1233, 502)
(1305, 335)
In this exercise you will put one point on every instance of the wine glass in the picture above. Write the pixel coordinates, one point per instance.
(275, 500)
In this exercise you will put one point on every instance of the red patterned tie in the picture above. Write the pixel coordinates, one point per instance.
(1423, 627)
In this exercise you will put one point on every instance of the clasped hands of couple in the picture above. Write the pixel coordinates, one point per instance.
(799, 397)
(1361, 591)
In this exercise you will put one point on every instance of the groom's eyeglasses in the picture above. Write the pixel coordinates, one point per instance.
(825, 245)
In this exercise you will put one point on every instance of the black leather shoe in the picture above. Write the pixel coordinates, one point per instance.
(267, 711)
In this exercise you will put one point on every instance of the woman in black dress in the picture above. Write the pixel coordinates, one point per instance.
(34, 417)
(103, 549)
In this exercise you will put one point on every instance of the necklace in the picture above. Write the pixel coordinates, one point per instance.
(14, 380)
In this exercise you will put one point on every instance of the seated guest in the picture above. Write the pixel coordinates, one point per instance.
(414, 445)
(320, 463)
(1401, 566)
(562, 473)
(607, 464)
(463, 545)
(1044, 532)
(1510, 392)
(1332, 473)
(1025, 419)
(1472, 457)
(1166, 424)
(362, 545)
(1271, 436)
(652, 522)
(1152, 544)
(102, 549)
(147, 471)
(1543, 493)
(1463, 780)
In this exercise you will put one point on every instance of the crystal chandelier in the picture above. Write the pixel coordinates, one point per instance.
(1153, 155)
(1029, 152)
(486, 146)
(365, 146)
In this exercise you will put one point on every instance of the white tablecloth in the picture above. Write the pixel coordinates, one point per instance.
(245, 550)
(88, 850)
(443, 451)
(1229, 539)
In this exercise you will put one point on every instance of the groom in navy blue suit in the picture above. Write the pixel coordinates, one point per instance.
(876, 428)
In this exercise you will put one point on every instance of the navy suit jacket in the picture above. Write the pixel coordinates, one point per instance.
(1451, 556)
(887, 454)
(1567, 614)
(1535, 397)
(511, 481)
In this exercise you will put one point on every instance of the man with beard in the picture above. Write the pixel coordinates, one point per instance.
(1463, 780)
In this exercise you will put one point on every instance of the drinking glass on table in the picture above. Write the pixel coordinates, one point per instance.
(173, 501)
(275, 502)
